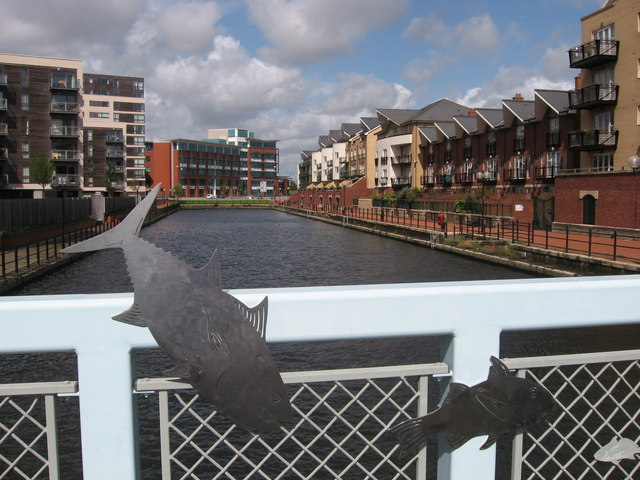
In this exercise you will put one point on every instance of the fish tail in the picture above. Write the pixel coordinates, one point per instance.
(412, 434)
(115, 237)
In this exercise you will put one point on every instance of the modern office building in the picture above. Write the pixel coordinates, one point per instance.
(81, 122)
(259, 160)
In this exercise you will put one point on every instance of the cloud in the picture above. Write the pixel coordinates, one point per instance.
(188, 27)
(303, 32)
(471, 37)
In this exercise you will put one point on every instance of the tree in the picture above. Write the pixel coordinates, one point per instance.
(178, 191)
(42, 169)
(110, 179)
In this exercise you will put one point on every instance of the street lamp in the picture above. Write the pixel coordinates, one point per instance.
(634, 160)
(482, 176)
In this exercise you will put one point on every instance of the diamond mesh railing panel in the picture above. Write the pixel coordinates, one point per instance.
(339, 430)
(599, 399)
(28, 442)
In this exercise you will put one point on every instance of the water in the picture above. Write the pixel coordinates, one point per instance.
(270, 249)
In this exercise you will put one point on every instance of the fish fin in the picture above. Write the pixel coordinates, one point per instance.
(217, 340)
(115, 237)
(411, 434)
(132, 316)
(211, 270)
(493, 438)
(257, 316)
(182, 370)
(455, 391)
(491, 404)
(498, 369)
(456, 441)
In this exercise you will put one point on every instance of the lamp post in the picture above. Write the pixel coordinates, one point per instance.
(634, 162)
(481, 176)
(60, 182)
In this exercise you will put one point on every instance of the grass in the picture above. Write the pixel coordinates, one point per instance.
(498, 250)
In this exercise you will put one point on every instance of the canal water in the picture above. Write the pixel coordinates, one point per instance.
(270, 249)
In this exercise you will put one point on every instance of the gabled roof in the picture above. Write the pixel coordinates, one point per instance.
(447, 129)
(349, 130)
(493, 117)
(395, 115)
(335, 136)
(468, 124)
(305, 154)
(369, 123)
(442, 110)
(556, 100)
(523, 110)
(323, 141)
(429, 133)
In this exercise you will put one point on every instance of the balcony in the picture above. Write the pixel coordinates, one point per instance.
(401, 181)
(4, 180)
(71, 180)
(3, 103)
(65, 155)
(515, 174)
(547, 172)
(65, 107)
(64, 131)
(593, 53)
(114, 153)
(67, 83)
(115, 138)
(110, 395)
(383, 180)
(486, 177)
(586, 140)
(428, 180)
(401, 160)
(464, 178)
(4, 129)
(594, 96)
(445, 179)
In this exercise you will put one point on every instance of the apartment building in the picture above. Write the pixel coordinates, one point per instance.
(259, 160)
(603, 189)
(51, 106)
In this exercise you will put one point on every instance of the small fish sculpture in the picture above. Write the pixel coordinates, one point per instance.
(501, 404)
(618, 449)
(216, 342)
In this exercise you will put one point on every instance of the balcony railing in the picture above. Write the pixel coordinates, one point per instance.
(65, 107)
(4, 129)
(64, 131)
(428, 179)
(593, 139)
(445, 179)
(464, 177)
(401, 159)
(65, 84)
(115, 153)
(593, 53)
(547, 172)
(64, 155)
(594, 96)
(602, 386)
(3, 103)
(70, 180)
(515, 174)
(400, 181)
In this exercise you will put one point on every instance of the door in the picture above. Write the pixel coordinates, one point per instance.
(589, 210)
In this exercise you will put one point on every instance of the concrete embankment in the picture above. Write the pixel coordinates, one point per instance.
(531, 259)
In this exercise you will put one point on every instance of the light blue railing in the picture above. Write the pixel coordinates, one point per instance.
(470, 314)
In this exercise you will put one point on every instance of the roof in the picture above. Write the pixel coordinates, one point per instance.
(397, 116)
(350, 129)
(556, 100)
(429, 133)
(442, 110)
(448, 129)
(369, 123)
(523, 110)
(494, 117)
(335, 136)
(323, 141)
(468, 123)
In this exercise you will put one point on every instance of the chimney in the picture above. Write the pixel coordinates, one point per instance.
(518, 96)
(579, 81)
(473, 112)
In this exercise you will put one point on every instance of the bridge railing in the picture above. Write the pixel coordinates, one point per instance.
(465, 314)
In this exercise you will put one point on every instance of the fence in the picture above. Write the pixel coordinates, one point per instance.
(19, 214)
(597, 401)
(623, 245)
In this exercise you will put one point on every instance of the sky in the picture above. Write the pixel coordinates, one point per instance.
(291, 70)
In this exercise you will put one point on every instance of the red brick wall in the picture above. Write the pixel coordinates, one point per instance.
(617, 200)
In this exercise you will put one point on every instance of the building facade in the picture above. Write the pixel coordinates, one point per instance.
(45, 105)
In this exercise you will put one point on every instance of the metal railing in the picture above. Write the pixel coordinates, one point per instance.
(464, 315)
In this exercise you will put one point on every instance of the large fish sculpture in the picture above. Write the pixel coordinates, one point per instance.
(216, 342)
(501, 404)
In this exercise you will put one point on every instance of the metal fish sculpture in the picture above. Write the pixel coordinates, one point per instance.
(216, 342)
(618, 449)
(501, 404)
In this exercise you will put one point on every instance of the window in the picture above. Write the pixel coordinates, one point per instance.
(138, 118)
(97, 103)
(98, 115)
(89, 135)
(116, 117)
(603, 122)
(26, 177)
(24, 122)
(606, 33)
(24, 77)
(63, 79)
(602, 162)
(24, 101)
(25, 150)
(90, 150)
